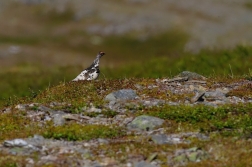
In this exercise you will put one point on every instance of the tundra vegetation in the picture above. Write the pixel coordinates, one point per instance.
(130, 63)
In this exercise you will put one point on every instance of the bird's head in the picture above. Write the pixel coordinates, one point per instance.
(100, 54)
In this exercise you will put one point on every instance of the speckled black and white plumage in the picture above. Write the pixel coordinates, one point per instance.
(92, 72)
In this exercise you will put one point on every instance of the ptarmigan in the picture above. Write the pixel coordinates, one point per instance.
(92, 72)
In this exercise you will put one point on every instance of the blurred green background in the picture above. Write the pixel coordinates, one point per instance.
(44, 43)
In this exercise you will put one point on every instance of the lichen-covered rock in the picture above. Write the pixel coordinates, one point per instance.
(144, 164)
(145, 122)
(153, 102)
(58, 119)
(214, 94)
(198, 97)
(15, 143)
(123, 94)
(21, 107)
(183, 156)
(165, 139)
(191, 75)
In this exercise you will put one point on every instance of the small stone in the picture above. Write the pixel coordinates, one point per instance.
(124, 94)
(152, 157)
(145, 122)
(191, 75)
(6, 110)
(143, 164)
(138, 86)
(201, 136)
(58, 119)
(38, 138)
(45, 109)
(196, 154)
(110, 97)
(176, 79)
(180, 159)
(159, 138)
(30, 162)
(153, 102)
(193, 157)
(184, 156)
(71, 117)
(49, 158)
(21, 107)
(193, 149)
(54, 104)
(108, 162)
(223, 90)
(198, 97)
(164, 139)
(15, 143)
(102, 141)
(94, 109)
(214, 94)
(198, 88)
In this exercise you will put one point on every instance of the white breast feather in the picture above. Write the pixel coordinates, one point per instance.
(93, 76)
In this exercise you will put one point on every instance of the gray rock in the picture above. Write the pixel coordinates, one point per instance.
(164, 139)
(36, 139)
(58, 119)
(202, 136)
(45, 109)
(103, 141)
(143, 164)
(214, 94)
(94, 109)
(152, 157)
(198, 97)
(235, 100)
(177, 138)
(191, 75)
(223, 90)
(55, 104)
(153, 102)
(6, 110)
(15, 143)
(138, 86)
(159, 138)
(183, 156)
(21, 107)
(145, 122)
(124, 94)
(172, 103)
(45, 150)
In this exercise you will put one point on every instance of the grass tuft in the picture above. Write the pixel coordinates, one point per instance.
(75, 132)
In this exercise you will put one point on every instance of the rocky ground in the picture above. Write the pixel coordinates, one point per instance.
(187, 120)
(148, 135)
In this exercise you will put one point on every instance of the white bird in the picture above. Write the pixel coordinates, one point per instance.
(92, 72)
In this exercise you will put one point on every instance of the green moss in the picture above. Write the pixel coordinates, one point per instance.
(75, 132)
(16, 125)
